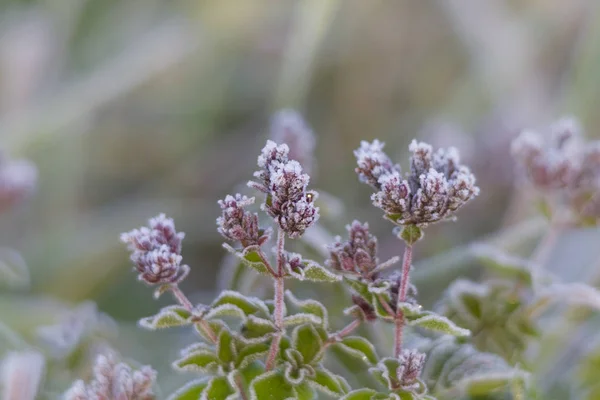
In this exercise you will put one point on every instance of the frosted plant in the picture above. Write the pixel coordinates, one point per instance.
(114, 380)
(251, 348)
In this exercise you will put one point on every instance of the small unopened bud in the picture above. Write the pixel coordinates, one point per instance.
(238, 224)
(411, 365)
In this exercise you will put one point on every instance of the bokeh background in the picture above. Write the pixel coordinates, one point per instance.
(131, 108)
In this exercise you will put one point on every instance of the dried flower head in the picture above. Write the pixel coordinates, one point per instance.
(409, 370)
(18, 179)
(357, 254)
(288, 126)
(21, 374)
(437, 186)
(156, 251)
(114, 380)
(238, 224)
(288, 202)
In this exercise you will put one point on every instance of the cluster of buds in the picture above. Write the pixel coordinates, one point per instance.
(239, 225)
(288, 126)
(436, 187)
(114, 380)
(156, 251)
(288, 201)
(358, 254)
(395, 281)
(562, 166)
(18, 179)
(409, 370)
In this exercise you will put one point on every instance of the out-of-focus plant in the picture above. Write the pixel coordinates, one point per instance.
(279, 348)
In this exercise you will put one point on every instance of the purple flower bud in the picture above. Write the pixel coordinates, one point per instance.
(373, 163)
(156, 251)
(436, 187)
(237, 224)
(411, 365)
(358, 254)
(367, 309)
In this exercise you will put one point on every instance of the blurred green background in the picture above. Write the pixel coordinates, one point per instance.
(131, 108)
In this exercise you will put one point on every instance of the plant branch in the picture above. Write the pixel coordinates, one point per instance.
(402, 291)
(187, 304)
(279, 300)
(265, 261)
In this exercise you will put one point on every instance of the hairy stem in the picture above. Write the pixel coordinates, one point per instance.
(348, 329)
(266, 262)
(279, 300)
(240, 386)
(187, 304)
(402, 291)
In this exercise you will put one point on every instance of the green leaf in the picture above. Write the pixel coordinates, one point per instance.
(360, 394)
(411, 234)
(250, 353)
(305, 391)
(226, 351)
(302, 318)
(359, 347)
(168, 317)
(506, 265)
(218, 389)
(311, 307)
(327, 382)
(225, 310)
(271, 386)
(313, 271)
(250, 258)
(249, 305)
(380, 310)
(256, 330)
(191, 391)
(438, 323)
(251, 371)
(308, 342)
(361, 288)
(197, 360)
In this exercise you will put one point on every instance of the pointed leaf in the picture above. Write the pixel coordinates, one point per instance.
(311, 307)
(438, 323)
(361, 288)
(327, 382)
(359, 347)
(191, 391)
(249, 258)
(218, 389)
(168, 317)
(270, 386)
(301, 318)
(200, 360)
(307, 341)
(251, 352)
(257, 330)
(225, 310)
(249, 305)
(313, 271)
(226, 351)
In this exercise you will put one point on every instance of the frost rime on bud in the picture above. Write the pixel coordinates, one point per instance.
(437, 186)
(156, 251)
(237, 224)
(411, 365)
(288, 202)
(358, 254)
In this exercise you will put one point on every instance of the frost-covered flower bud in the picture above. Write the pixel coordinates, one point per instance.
(357, 254)
(288, 126)
(238, 224)
(411, 365)
(18, 180)
(295, 217)
(156, 251)
(365, 307)
(288, 201)
(373, 163)
(114, 380)
(437, 186)
(395, 280)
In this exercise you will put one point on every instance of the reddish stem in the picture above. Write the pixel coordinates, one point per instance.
(187, 304)
(402, 291)
(279, 300)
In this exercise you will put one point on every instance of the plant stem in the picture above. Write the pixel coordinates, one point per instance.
(402, 291)
(279, 300)
(265, 261)
(240, 386)
(187, 304)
